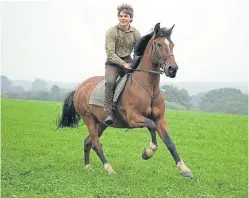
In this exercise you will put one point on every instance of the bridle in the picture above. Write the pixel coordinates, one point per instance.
(161, 62)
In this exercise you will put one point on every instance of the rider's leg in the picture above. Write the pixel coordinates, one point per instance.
(111, 75)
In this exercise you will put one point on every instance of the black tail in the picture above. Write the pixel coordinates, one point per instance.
(69, 117)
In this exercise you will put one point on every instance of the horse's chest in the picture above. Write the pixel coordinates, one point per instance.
(152, 112)
(145, 109)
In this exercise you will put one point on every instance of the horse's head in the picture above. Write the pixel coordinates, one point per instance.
(162, 51)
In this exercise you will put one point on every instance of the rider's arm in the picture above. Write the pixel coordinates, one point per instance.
(137, 35)
(110, 43)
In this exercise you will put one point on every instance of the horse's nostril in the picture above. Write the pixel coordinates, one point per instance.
(171, 70)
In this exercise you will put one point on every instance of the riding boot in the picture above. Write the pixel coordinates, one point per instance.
(109, 118)
(109, 103)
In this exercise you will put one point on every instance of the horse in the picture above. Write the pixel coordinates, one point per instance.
(132, 110)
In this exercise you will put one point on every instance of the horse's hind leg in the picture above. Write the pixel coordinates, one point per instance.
(96, 129)
(97, 147)
(88, 144)
(87, 148)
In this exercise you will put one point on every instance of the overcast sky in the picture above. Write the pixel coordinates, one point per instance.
(64, 40)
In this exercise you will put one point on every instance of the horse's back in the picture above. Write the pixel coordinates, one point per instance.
(91, 81)
(83, 92)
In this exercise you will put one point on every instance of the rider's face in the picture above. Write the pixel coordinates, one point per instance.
(124, 19)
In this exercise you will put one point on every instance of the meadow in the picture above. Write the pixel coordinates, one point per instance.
(39, 161)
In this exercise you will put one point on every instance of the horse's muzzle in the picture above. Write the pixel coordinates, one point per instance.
(170, 71)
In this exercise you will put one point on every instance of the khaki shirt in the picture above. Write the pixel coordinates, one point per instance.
(120, 43)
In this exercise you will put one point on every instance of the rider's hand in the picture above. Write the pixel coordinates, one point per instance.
(127, 65)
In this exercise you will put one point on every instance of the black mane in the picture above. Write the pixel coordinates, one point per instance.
(142, 43)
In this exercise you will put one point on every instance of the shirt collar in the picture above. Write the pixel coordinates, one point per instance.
(131, 29)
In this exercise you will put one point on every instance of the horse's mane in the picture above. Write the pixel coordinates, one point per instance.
(142, 43)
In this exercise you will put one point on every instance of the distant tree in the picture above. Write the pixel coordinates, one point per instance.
(185, 99)
(55, 90)
(174, 105)
(17, 89)
(225, 100)
(39, 85)
(6, 84)
(176, 95)
(195, 100)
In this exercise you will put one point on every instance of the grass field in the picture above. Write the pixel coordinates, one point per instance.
(39, 161)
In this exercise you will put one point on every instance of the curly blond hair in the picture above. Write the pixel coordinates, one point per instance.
(127, 9)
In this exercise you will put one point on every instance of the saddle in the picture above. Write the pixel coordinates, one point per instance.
(98, 95)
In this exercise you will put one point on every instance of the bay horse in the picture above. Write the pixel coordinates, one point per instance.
(133, 110)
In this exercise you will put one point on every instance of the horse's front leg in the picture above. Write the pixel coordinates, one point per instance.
(139, 121)
(163, 133)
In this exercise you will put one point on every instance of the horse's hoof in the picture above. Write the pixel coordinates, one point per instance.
(112, 172)
(147, 154)
(185, 171)
(88, 166)
(144, 155)
(109, 169)
(187, 174)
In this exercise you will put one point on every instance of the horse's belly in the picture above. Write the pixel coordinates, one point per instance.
(101, 115)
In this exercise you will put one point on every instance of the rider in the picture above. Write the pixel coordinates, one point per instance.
(119, 43)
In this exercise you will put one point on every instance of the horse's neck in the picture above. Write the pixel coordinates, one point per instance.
(150, 79)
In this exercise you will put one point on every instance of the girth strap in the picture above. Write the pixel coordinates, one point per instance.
(151, 94)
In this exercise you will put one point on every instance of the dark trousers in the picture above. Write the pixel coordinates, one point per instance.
(111, 74)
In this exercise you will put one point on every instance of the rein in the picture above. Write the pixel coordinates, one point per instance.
(146, 70)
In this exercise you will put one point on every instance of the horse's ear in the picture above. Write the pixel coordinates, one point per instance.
(170, 29)
(156, 29)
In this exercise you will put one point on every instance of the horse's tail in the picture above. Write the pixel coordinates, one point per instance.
(69, 117)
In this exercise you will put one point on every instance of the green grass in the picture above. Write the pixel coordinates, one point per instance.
(39, 161)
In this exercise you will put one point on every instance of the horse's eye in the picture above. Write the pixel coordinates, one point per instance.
(159, 45)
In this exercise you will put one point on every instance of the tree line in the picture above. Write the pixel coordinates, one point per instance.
(223, 100)
(39, 91)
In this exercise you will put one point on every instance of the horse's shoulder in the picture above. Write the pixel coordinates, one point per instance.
(160, 97)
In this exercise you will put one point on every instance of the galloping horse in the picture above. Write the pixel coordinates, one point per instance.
(133, 110)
